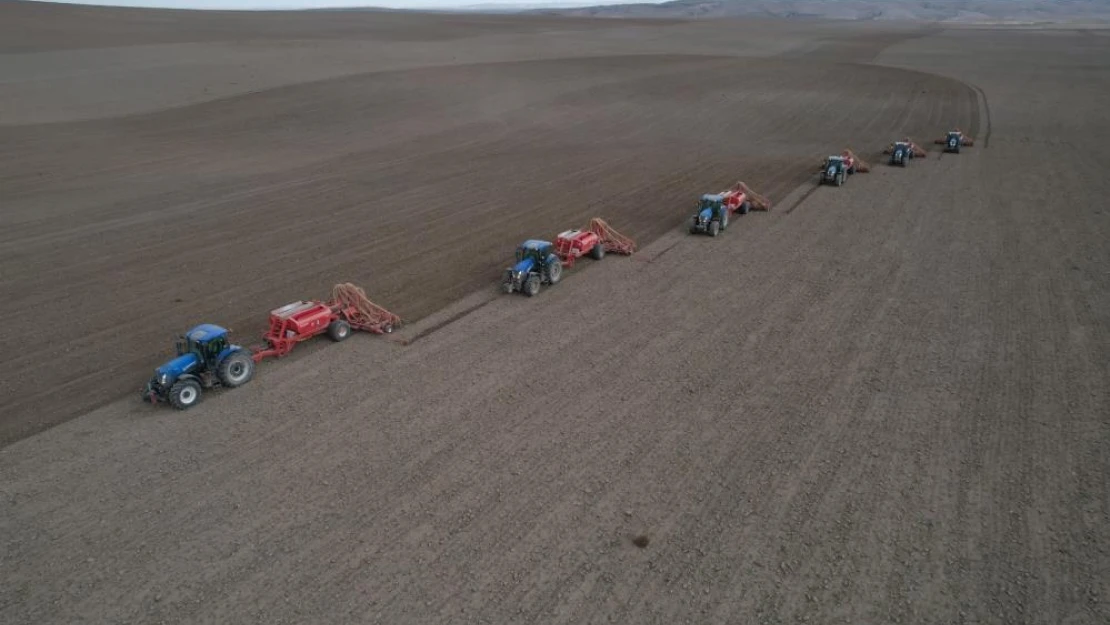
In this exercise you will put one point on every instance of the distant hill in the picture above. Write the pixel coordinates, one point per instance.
(954, 11)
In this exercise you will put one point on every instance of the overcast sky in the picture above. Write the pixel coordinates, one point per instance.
(321, 4)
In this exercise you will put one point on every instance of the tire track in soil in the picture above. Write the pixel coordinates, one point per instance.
(987, 113)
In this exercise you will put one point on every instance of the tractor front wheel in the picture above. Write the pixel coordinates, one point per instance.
(184, 394)
(532, 285)
(236, 370)
(339, 330)
(598, 252)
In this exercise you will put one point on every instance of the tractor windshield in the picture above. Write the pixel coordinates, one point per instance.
(208, 351)
(529, 252)
(708, 203)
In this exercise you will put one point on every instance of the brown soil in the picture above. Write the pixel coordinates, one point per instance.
(880, 403)
(416, 184)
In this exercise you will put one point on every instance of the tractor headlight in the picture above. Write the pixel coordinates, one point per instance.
(163, 379)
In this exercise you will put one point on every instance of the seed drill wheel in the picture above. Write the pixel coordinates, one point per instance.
(236, 370)
(184, 394)
(745, 208)
(339, 330)
(598, 251)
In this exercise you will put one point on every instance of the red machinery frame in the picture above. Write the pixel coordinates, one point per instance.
(739, 193)
(572, 244)
(303, 320)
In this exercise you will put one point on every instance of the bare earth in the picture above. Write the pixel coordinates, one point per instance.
(881, 403)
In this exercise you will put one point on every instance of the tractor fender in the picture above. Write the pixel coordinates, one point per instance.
(227, 351)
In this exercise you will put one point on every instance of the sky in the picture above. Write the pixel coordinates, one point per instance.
(238, 5)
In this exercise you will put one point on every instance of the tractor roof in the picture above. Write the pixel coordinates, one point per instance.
(836, 157)
(535, 244)
(206, 332)
(713, 197)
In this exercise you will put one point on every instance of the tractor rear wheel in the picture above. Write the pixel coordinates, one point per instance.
(184, 394)
(554, 271)
(532, 285)
(724, 219)
(339, 330)
(598, 252)
(840, 179)
(236, 370)
(694, 224)
(714, 228)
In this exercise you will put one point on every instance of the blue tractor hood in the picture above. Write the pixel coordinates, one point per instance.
(177, 366)
(524, 266)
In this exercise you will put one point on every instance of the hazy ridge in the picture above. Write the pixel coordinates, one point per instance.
(956, 11)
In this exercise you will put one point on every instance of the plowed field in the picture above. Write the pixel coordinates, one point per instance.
(885, 402)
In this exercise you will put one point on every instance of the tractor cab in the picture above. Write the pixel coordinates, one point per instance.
(835, 170)
(534, 250)
(710, 206)
(207, 341)
(834, 165)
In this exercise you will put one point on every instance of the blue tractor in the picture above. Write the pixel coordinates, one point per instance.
(536, 264)
(900, 153)
(953, 142)
(205, 359)
(712, 215)
(836, 170)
